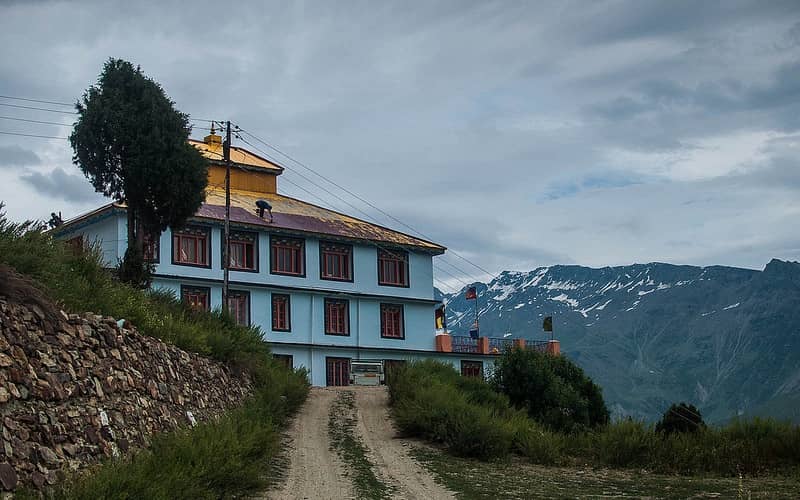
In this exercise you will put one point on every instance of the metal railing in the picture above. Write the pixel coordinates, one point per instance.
(537, 345)
(497, 345)
(463, 343)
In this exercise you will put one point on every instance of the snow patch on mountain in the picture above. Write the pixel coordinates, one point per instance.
(565, 299)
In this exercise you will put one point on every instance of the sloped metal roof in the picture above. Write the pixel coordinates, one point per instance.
(292, 214)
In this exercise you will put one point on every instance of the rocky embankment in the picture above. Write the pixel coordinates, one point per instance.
(76, 388)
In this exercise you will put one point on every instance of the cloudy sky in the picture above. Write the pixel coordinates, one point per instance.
(517, 134)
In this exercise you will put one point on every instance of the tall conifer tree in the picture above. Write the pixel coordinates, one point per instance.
(131, 143)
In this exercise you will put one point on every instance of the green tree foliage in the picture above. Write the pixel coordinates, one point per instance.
(552, 389)
(131, 143)
(681, 418)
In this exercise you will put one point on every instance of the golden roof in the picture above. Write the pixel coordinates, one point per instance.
(213, 151)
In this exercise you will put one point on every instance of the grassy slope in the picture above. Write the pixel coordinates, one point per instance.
(223, 458)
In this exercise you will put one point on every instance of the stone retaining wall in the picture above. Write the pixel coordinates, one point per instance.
(86, 388)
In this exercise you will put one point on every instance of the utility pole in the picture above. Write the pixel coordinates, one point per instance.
(226, 155)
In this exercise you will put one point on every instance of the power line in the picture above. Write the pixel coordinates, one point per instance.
(35, 121)
(442, 284)
(33, 135)
(36, 100)
(361, 199)
(368, 216)
(39, 109)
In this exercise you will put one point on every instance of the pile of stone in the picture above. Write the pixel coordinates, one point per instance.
(89, 387)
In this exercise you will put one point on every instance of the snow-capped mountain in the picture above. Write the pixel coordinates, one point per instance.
(725, 339)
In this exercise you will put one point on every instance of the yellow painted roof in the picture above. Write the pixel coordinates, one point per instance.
(293, 214)
(239, 156)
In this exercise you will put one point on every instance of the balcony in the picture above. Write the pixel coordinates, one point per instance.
(491, 345)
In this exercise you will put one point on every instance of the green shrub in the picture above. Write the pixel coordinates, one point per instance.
(552, 389)
(427, 402)
(681, 418)
(536, 443)
(625, 443)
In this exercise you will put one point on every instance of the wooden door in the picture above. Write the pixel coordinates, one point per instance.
(338, 371)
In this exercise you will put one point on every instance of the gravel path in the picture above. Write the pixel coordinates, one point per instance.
(315, 472)
(390, 454)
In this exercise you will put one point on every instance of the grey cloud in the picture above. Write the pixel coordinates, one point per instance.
(61, 185)
(15, 156)
(486, 125)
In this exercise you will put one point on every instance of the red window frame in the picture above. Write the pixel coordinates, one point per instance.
(337, 371)
(337, 317)
(392, 324)
(287, 256)
(197, 298)
(152, 247)
(247, 242)
(335, 261)
(239, 307)
(472, 368)
(196, 238)
(393, 268)
(281, 313)
(286, 360)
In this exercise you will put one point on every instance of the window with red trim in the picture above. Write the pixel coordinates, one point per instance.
(239, 307)
(151, 247)
(196, 297)
(190, 247)
(287, 256)
(337, 317)
(336, 261)
(243, 256)
(472, 369)
(392, 321)
(286, 360)
(393, 267)
(281, 313)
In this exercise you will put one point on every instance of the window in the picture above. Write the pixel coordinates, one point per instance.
(392, 321)
(239, 307)
(393, 268)
(190, 247)
(281, 313)
(335, 261)
(286, 360)
(472, 369)
(288, 256)
(151, 247)
(243, 251)
(337, 317)
(196, 297)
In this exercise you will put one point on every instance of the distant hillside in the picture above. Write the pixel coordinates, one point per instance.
(723, 338)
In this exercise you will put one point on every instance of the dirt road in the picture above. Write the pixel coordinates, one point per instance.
(315, 469)
(390, 454)
(317, 472)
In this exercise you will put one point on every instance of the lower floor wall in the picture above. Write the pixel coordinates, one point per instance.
(326, 365)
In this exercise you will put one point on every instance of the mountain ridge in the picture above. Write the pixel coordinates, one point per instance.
(725, 338)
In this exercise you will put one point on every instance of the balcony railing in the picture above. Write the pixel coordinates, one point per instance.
(537, 345)
(497, 345)
(463, 343)
(492, 346)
